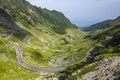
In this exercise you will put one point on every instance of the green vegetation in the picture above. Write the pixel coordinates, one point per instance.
(99, 37)
(13, 71)
(45, 37)
(42, 35)
(83, 71)
(19, 35)
(111, 30)
(2, 41)
(97, 26)
(109, 51)
(88, 69)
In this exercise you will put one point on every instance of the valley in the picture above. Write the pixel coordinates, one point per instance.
(41, 44)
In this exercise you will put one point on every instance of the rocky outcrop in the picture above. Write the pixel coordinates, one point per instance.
(47, 76)
(108, 70)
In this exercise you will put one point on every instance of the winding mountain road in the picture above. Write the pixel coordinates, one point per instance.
(24, 64)
(91, 52)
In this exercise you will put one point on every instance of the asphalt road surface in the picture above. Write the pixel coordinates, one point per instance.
(24, 64)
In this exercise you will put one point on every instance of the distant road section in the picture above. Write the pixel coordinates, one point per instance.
(23, 63)
(91, 52)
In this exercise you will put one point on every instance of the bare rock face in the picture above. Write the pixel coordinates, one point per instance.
(108, 70)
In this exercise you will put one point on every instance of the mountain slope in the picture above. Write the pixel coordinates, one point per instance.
(98, 26)
(111, 30)
(46, 38)
(102, 61)
(24, 11)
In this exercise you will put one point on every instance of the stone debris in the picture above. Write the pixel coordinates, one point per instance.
(108, 70)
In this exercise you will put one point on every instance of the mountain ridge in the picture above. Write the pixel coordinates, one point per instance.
(98, 25)
(42, 16)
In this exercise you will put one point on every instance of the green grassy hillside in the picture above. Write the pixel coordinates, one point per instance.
(111, 50)
(46, 38)
(113, 30)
